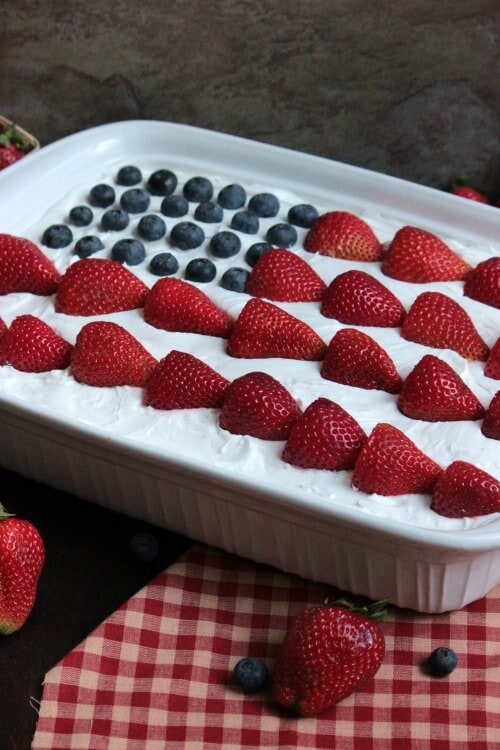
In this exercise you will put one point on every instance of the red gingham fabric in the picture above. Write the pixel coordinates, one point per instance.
(156, 674)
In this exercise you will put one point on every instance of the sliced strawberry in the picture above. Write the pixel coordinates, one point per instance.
(418, 256)
(31, 345)
(491, 422)
(492, 367)
(282, 276)
(483, 283)
(264, 330)
(96, 287)
(463, 490)
(438, 321)
(391, 464)
(356, 298)
(105, 354)
(325, 436)
(24, 268)
(175, 305)
(341, 234)
(256, 404)
(434, 392)
(354, 358)
(182, 381)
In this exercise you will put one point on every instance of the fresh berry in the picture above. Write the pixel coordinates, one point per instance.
(441, 662)
(22, 557)
(264, 205)
(491, 422)
(341, 234)
(434, 392)
(257, 404)
(107, 355)
(461, 188)
(232, 197)
(31, 345)
(255, 251)
(251, 674)
(9, 155)
(144, 547)
(282, 276)
(186, 235)
(492, 367)
(198, 189)
(162, 182)
(81, 216)
(96, 287)
(57, 236)
(88, 245)
(463, 491)
(265, 330)
(245, 222)
(102, 196)
(438, 321)
(418, 256)
(131, 252)
(200, 269)
(483, 283)
(24, 268)
(234, 279)
(114, 220)
(326, 654)
(182, 381)
(151, 228)
(282, 235)
(356, 298)
(390, 464)
(208, 212)
(135, 200)
(175, 305)
(163, 264)
(354, 358)
(324, 437)
(174, 206)
(302, 215)
(225, 244)
(128, 176)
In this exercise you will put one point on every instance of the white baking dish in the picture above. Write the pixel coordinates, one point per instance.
(427, 569)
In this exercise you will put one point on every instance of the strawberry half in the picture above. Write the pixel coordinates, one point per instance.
(257, 404)
(463, 491)
(356, 298)
(175, 305)
(483, 283)
(492, 367)
(182, 381)
(282, 276)
(96, 287)
(107, 355)
(354, 358)
(24, 268)
(438, 321)
(264, 330)
(434, 392)
(418, 256)
(325, 436)
(391, 464)
(491, 422)
(341, 234)
(31, 345)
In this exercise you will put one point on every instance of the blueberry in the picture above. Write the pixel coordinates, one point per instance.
(442, 661)
(102, 196)
(57, 235)
(81, 216)
(209, 212)
(187, 235)
(283, 235)
(163, 264)
(114, 220)
(129, 175)
(251, 674)
(174, 206)
(232, 197)
(200, 269)
(302, 215)
(198, 189)
(162, 182)
(88, 245)
(235, 279)
(254, 252)
(144, 547)
(135, 200)
(225, 244)
(131, 252)
(244, 221)
(264, 205)
(151, 227)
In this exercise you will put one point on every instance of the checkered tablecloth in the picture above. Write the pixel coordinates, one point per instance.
(156, 674)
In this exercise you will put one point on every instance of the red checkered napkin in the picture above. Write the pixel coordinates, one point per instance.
(156, 674)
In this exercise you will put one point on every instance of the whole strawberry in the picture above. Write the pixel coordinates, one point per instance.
(9, 155)
(461, 188)
(326, 654)
(22, 556)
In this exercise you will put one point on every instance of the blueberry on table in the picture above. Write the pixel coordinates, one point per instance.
(441, 662)
(57, 235)
(102, 196)
(162, 182)
(225, 244)
(232, 197)
(151, 227)
(264, 205)
(235, 279)
(302, 215)
(209, 212)
(255, 251)
(163, 264)
(88, 245)
(174, 206)
(114, 220)
(244, 221)
(129, 175)
(198, 189)
(131, 252)
(81, 216)
(187, 235)
(251, 674)
(200, 269)
(144, 547)
(283, 235)
(135, 200)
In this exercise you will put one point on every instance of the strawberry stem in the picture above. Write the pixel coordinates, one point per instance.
(4, 514)
(376, 611)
